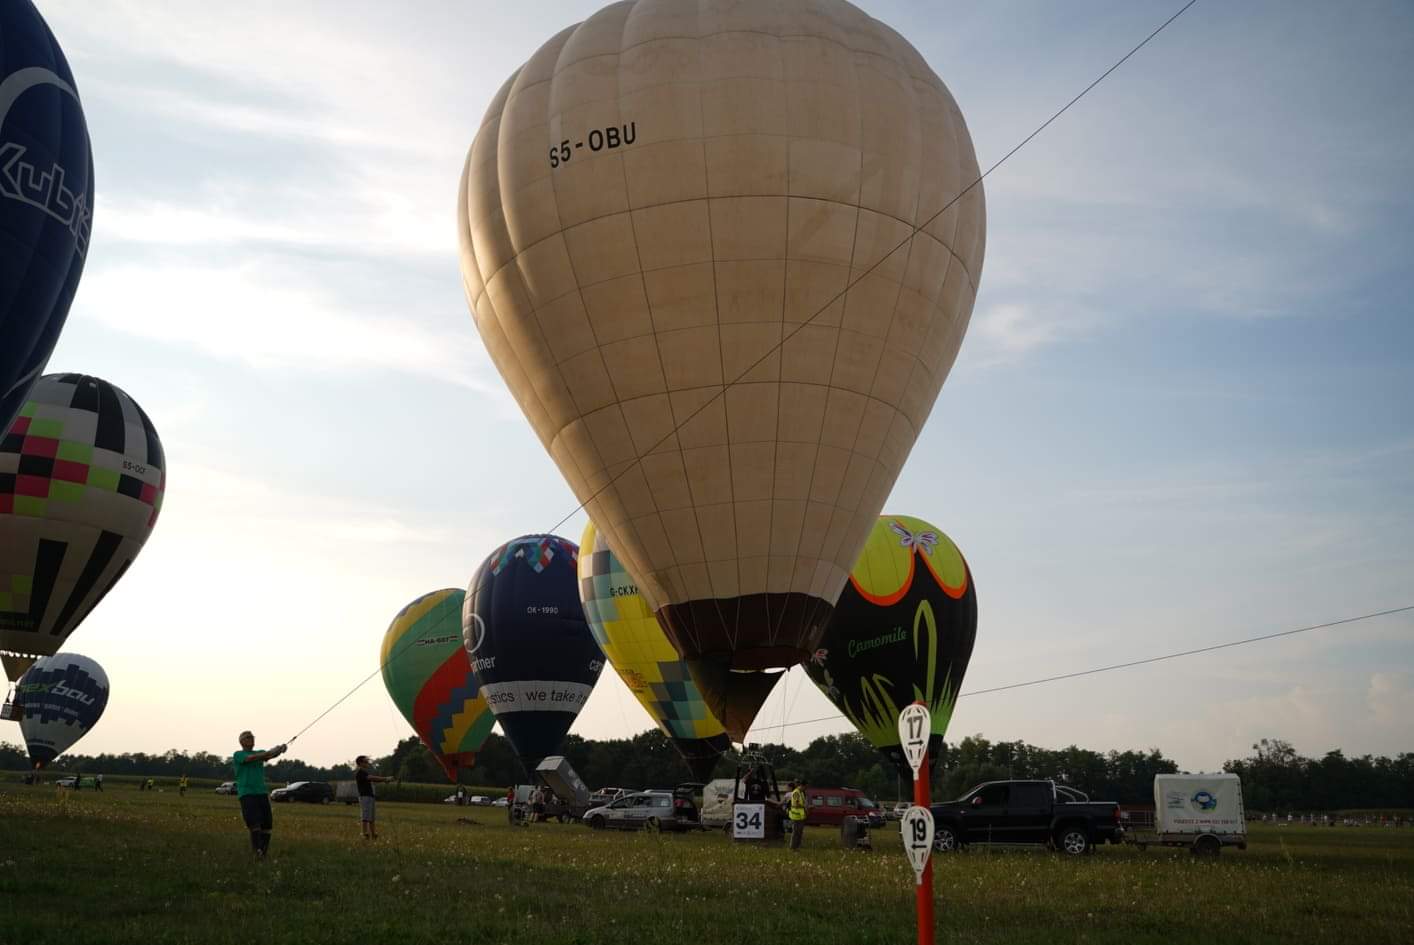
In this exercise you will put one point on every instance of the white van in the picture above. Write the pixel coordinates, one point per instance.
(717, 803)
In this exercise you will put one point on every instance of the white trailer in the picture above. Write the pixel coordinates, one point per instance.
(1203, 812)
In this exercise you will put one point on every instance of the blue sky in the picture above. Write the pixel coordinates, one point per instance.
(1183, 412)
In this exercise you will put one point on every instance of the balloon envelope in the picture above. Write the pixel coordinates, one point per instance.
(46, 198)
(82, 476)
(635, 645)
(531, 652)
(902, 632)
(723, 255)
(428, 676)
(63, 697)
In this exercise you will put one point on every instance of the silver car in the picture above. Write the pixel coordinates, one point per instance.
(646, 810)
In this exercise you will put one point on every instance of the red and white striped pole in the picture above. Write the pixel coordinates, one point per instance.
(915, 725)
(924, 891)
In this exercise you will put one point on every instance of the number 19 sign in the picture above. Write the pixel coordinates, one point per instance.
(917, 830)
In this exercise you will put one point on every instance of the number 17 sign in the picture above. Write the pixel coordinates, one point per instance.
(915, 725)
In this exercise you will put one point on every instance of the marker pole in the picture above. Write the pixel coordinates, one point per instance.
(924, 890)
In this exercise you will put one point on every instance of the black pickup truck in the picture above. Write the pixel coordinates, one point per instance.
(1026, 812)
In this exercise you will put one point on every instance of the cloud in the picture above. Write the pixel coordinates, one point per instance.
(252, 313)
(1005, 332)
(351, 142)
(363, 221)
(1391, 700)
(186, 108)
(213, 500)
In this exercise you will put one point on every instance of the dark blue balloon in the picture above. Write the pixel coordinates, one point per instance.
(46, 198)
(63, 695)
(532, 653)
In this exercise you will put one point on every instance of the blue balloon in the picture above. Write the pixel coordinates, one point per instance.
(63, 696)
(532, 653)
(46, 198)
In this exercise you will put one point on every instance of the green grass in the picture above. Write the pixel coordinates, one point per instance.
(128, 866)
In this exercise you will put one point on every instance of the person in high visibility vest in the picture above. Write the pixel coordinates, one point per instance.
(797, 814)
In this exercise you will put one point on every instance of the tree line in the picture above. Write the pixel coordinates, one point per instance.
(1275, 777)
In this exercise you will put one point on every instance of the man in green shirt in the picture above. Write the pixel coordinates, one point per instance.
(251, 789)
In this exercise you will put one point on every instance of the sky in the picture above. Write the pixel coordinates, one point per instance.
(1183, 412)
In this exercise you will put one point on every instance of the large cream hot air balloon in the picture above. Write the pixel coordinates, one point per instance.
(702, 243)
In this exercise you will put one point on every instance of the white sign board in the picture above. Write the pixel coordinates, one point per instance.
(749, 821)
(917, 831)
(915, 724)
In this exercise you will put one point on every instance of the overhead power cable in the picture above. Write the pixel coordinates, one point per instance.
(788, 335)
(1142, 662)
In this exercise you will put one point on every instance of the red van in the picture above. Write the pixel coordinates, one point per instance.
(828, 807)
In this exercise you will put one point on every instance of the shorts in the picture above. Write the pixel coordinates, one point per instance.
(365, 807)
(255, 811)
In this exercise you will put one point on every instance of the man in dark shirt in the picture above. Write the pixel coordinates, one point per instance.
(755, 787)
(366, 807)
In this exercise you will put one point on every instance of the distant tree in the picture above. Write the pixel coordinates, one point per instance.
(1275, 777)
(13, 757)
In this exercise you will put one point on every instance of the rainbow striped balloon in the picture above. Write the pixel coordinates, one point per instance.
(428, 675)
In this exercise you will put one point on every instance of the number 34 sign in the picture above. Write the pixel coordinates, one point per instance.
(749, 822)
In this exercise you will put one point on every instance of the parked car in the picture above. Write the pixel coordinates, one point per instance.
(1026, 812)
(646, 810)
(500, 802)
(606, 795)
(870, 811)
(828, 807)
(312, 792)
(346, 791)
(226, 787)
(69, 780)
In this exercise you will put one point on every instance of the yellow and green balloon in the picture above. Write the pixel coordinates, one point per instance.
(639, 650)
(902, 632)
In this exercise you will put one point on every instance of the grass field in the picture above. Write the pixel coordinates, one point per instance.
(129, 866)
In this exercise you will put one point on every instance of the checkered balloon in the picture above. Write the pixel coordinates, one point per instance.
(81, 481)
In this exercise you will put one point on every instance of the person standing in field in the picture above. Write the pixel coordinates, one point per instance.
(797, 814)
(365, 780)
(252, 792)
(182, 787)
(98, 782)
